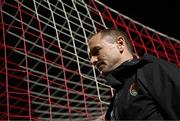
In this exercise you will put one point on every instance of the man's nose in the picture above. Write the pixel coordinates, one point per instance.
(93, 60)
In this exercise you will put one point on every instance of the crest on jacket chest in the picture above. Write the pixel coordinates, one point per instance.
(134, 89)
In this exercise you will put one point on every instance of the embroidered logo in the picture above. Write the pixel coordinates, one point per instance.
(134, 88)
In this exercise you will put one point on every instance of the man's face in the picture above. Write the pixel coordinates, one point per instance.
(104, 54)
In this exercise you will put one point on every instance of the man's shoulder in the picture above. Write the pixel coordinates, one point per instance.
(154, 65)
(152, 60)
(149, 57)
(147, 61)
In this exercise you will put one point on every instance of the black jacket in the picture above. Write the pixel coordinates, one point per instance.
(146, 89)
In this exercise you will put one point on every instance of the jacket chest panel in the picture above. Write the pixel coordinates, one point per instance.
(130, 102)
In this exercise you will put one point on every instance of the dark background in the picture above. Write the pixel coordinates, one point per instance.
(161, 15)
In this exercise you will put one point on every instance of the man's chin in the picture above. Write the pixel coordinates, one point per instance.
(104, 73)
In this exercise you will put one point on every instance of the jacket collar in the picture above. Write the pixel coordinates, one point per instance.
(118, 76)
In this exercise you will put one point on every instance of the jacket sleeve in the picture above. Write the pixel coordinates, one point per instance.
(162, 80)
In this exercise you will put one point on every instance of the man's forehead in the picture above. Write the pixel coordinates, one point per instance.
(95, 38)
(94, 41)
(91, 43)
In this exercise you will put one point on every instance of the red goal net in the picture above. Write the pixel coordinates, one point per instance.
(44, 68)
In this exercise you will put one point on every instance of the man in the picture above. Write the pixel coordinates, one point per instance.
(146, 88)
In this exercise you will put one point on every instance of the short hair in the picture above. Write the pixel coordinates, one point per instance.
(114, 33)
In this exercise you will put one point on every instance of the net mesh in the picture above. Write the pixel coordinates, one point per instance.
(44, 68)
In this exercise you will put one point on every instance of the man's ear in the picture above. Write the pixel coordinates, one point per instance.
(120, 43)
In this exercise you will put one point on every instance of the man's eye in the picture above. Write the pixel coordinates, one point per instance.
(96, 51)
